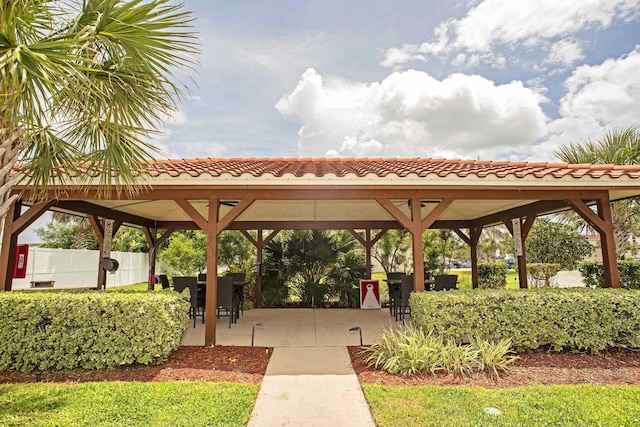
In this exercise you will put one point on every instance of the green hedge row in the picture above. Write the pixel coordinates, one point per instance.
(492, 275)
(593, 274)
(564, 319)
(66, 330)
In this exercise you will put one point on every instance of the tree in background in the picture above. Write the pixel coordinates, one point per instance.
(185, 253)
(495, 242)
(392, 250)
(315, 265)
(619, 146)
(66, 231)
(552, 242)
(235, 252)
(84, 85)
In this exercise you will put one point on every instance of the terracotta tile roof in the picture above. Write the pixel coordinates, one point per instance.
(421, 167)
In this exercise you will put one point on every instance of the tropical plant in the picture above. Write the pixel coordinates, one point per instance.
(411, 350)
(83, 87)
(235, 252)
(392, 250)
(315, 265)
(551, 242)
(618, 146)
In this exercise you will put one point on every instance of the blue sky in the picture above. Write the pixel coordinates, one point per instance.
(493, 79)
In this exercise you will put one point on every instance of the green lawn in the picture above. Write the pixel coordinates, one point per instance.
(142, 286)
(126, 404)
(560, 405)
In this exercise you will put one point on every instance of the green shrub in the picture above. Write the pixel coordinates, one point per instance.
(540, 275)
(564, 319)
(410, 350)
(492, 275)
(593, 274)
(91, 329)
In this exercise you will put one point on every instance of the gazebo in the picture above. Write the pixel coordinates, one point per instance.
(365, 196)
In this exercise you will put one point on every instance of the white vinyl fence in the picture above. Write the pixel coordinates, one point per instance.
(78, 268)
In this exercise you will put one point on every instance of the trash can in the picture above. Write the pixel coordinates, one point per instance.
(370, 294)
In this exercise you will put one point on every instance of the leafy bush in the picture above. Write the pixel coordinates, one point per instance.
(492, 275)
(410, 350)
(564, 319)
(593, 274)
(67, 330)
(540, 275)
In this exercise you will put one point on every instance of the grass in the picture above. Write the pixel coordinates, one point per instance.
(127, 404)
(558, 405)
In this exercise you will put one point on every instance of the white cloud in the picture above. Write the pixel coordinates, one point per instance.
(510, 23)
(413, 114)
(565, 52)
(598, 97)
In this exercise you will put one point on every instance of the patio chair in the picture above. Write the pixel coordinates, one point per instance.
(226, 299)
(180, 283)
(164, 281)
(239, 280)
(402, 301)
(394, 280)
(445, 282)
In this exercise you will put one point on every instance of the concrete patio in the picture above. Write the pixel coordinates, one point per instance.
(298, 327)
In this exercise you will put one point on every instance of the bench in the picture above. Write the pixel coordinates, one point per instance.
(42, 283)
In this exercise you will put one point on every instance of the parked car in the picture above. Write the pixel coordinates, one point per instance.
(510, 262)
(466, 264)
(456, 263)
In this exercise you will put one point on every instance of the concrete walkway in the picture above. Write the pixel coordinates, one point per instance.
(310, 386)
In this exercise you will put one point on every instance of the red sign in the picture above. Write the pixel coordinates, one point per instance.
(20, 265)
(370, 294)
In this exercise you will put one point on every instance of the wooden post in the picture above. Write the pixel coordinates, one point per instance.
(212, 274)
(474, 233)
(608, 243)
(418, 254)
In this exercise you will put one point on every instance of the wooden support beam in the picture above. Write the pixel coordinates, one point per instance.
(396, 213)
(31, 215)
(608, 244)
(234, 213)
(435, 213)
(150, 235)
(212, 274)
(193, 213)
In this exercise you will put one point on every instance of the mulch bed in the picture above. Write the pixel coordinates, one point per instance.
(539, 368)
(189, 363)
(242, 365)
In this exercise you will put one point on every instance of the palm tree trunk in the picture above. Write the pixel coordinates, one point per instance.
(9, 149)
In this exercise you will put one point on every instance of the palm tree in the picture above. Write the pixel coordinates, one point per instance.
(84, 85)
(619, 146)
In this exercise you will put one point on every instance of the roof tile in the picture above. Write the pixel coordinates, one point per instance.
(382, 167)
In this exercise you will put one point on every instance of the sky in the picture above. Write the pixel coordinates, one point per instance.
(491, 80)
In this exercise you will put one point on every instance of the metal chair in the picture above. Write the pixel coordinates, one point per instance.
(402, 301)
(445, 282)
(164, 281)
(180, 283)
(394, 280)
(239, 280)
(226, 299)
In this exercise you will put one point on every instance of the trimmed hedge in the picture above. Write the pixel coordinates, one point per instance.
(492, 275)
(593, 274)
(91, 329)
(564, 319)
